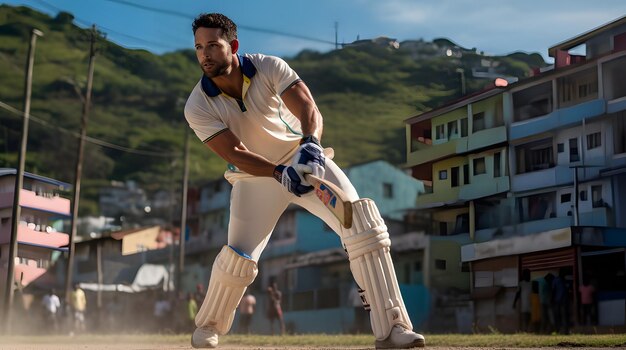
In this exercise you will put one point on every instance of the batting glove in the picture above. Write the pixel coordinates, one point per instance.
(292, 178)
(311, 153)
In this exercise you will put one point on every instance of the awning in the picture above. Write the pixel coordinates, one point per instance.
(149, 276)
(322, 257)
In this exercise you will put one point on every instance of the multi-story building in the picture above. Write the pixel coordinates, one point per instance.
(42, 228)
(532, 175)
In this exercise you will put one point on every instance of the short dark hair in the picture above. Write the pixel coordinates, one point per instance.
(216, 20)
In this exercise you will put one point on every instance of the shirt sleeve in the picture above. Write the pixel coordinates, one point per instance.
(204, 122)
(279, 73)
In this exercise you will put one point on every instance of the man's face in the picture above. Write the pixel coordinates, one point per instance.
(214, 53)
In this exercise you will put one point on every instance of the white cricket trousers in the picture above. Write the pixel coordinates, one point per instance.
(258, 202)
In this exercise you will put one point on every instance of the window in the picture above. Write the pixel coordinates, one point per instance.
(463, 127)
(583, 90)
(594, 140)
(465, 267)
(439, 132)
(479, 166)
(566, 197)
(443, 175)
(453, 129)
(478, 122)
(560, 148)
(466, 176)
(440, 264)
(454, 173)
(443, 228)
(496, 164)
(387, 190)
(596, 196)
(541, 158)
(573, 150)
(583, 195)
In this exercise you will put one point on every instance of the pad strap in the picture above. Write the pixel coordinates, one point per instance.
(367, 243)
(230, 275)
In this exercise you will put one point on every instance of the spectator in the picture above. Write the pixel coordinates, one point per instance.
(560, 302)
(51, 304)
(535, 307)
(78, 301)
(545, 298)
(246, 310)
(192, 309)
(275, 311)
(587, 301)
(524, 290)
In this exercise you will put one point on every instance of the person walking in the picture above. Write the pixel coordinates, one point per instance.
(524, 290)
(545, 298)
(587, 302)
(274, 308)
(256, 113)
(246, 310)
(192, 308)
(78, 301)
(560, 302)
(51, 304)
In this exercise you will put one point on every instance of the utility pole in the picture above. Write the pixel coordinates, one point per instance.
(461, 71)
(336, 35)
(19, 182)
(183, 211)
(79, 161)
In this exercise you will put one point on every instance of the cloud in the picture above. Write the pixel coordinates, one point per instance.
(495, 26)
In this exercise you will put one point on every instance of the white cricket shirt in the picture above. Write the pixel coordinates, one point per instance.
(260, 120)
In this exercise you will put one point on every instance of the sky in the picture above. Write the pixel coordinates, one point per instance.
(285, 27)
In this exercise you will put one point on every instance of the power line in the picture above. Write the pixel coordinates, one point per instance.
(90, 139)
(107, 30)
(254, 29)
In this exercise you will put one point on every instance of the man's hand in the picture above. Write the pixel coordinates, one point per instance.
(311, 154)
(292, 177)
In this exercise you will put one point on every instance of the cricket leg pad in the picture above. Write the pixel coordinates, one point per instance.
(367, 243)
(230, 275)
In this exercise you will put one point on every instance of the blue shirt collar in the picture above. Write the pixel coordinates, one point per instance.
(247, 68)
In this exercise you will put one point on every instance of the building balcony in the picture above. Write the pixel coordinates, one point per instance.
(438, 198)
(30, 199)
(484, 189)
(616, 105)
(425, 152)
(557, 119)
(599, 217)
(26, 234)
(555, 176)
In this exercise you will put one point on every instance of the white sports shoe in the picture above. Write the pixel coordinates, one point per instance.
(204, 337)
(401, 338)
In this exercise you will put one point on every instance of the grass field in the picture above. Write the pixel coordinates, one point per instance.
(163, 341)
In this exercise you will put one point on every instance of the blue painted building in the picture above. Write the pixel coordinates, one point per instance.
(307, 259)
(557, 149)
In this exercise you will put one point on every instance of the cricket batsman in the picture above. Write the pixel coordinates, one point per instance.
(259, 116)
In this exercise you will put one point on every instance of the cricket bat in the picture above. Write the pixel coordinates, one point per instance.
(333, 198)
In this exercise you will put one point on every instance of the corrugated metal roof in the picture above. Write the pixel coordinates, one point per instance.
(12, 171)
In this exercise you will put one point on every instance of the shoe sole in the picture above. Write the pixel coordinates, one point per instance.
(419, 343)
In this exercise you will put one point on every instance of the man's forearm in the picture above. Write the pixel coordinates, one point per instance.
(251, 163)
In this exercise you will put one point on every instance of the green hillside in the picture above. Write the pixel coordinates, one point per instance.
(364, 92)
